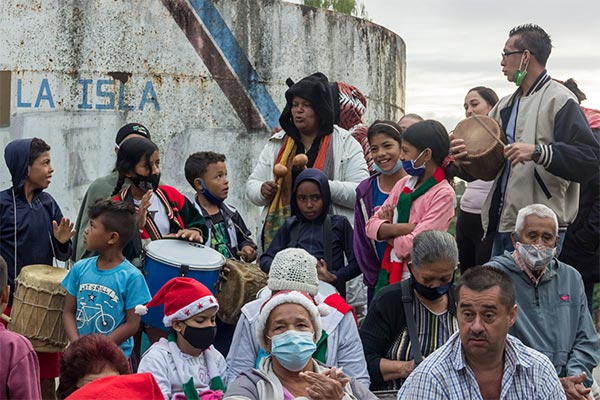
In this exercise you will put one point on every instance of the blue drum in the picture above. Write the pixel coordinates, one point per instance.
(170, 258)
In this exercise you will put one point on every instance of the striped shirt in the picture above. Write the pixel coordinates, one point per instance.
(528, 374)
(433, 331)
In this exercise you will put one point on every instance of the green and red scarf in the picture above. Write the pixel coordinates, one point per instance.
(392, 266)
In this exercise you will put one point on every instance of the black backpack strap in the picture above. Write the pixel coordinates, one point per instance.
(409, 318)
(327, 242)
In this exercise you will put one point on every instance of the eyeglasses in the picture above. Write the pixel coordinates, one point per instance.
(510, 53)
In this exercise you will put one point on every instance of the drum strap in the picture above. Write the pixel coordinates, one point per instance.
(409, 317)
(327, 242)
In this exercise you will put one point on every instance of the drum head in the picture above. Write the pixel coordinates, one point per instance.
(43, 277)
(180, 252)
(480, 134)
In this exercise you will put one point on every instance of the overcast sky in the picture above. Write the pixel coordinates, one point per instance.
(452, 46)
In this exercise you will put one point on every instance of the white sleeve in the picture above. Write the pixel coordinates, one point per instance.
(350, 354)
(262, 172)
(158, 364)
(243, 350)
(352, 171)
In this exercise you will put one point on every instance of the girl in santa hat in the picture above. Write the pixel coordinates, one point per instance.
(186, 365)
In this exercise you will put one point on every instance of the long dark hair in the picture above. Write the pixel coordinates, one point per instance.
(131, 152)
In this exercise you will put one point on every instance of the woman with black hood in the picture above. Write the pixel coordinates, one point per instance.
(327, 237)
(308, 129)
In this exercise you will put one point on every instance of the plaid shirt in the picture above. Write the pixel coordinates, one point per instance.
(528, 374)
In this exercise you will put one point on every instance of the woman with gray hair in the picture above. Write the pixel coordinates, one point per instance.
(411, 319)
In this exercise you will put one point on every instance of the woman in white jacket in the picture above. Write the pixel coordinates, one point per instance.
(308, 128)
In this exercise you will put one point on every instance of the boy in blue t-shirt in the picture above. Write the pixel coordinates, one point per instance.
(102, 291)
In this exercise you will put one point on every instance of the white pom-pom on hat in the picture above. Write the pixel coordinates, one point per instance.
(141, 309)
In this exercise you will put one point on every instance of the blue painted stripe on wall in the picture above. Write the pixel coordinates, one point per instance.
(238, 60)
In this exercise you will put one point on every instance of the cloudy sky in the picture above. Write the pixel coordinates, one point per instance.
(453, 45)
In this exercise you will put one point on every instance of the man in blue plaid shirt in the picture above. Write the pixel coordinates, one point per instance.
(482, 361)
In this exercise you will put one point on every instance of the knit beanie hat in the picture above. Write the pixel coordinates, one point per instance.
(129, 129)
(183, 298)
(294, 269)
(314, 88)
(290, 296)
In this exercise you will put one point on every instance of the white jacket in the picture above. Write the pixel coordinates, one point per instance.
(349, 169)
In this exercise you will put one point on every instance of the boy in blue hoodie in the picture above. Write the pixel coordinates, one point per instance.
(327, 237)
(32, 227)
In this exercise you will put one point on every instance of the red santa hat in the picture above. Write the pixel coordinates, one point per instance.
(183, 298)
(133, 386)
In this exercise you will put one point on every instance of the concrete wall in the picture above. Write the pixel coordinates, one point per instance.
(200, 74)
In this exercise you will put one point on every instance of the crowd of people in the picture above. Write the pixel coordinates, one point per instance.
(361, 299)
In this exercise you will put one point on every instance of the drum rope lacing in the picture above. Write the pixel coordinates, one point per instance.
(36, 335)
(488, 130)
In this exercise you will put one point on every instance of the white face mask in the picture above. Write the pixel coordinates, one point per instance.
(536, 257)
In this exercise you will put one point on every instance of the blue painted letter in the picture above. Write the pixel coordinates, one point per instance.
(122, 104)
(44, 94)
(85, 105)
(20, 102)
(149, 96)
(109, 95)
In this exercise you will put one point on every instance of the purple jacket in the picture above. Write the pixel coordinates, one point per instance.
(364, 248)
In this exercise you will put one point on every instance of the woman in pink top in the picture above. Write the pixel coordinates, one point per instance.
(421, 201)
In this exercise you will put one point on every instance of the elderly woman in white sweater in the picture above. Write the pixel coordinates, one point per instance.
(289, 327)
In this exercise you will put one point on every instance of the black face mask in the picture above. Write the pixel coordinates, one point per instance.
(200, 338)
(146, 183)
(430, 293)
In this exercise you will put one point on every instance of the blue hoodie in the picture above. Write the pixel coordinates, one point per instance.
(34, 234)
(310, 234)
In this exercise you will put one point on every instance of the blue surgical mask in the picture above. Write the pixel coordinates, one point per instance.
(209, 196)
(293, 349)
(391, 171)
(409, 166)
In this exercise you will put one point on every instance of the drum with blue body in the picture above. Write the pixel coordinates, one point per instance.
(171, 258)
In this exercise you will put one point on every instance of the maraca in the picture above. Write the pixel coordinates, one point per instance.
(300, 161)
(279, 170)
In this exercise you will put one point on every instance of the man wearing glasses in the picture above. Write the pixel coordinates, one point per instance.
(550, 144)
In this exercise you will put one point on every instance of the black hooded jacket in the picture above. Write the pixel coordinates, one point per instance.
(310, 234)
(35, 242)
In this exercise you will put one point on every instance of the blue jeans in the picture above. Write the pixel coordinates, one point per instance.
(503, 242)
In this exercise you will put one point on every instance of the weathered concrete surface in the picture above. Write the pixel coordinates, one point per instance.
(200, 75)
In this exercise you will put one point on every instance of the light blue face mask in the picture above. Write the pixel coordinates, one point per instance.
(392, 171)
(293, 349)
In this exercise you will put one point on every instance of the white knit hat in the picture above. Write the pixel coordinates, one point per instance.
(290, 296)
(294, 269)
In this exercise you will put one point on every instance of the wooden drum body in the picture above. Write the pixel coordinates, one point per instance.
(485, 142)
(37, 307)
